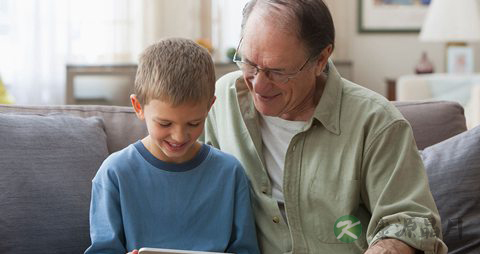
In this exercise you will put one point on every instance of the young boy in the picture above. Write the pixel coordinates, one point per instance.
(168, 190)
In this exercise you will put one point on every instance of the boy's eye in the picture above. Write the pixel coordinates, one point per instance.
(194, 124)
(165, 124)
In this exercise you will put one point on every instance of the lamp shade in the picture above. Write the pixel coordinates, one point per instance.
(451, 21)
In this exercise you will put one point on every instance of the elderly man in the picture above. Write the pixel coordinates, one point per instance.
(333, 166)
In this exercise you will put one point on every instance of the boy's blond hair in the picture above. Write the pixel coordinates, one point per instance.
(176, 71)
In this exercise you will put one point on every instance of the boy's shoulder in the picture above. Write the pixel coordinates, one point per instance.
(220, 155)
(119, 160)
(225, 160)
(122, 155)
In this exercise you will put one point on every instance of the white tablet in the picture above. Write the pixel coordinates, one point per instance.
(171, 251)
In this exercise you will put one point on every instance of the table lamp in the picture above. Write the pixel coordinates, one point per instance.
(455, 22)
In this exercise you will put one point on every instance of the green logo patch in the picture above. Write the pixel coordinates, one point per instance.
(347, 228)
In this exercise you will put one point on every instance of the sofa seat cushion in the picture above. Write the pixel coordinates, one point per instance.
(47, 163)
(453, 169)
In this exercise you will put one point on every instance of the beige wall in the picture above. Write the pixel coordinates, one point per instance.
(376, 57)
(179, 18)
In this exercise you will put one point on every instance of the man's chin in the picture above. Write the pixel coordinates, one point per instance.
(267, 112)
(265, 108)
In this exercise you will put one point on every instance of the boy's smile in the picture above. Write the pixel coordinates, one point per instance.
(175, 147)
(173, 131)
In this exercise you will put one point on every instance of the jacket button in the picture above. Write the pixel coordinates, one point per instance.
(276, 219)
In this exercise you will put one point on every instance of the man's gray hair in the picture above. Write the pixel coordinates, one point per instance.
(312, 21)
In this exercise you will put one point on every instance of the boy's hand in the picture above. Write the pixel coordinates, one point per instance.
(133, 252)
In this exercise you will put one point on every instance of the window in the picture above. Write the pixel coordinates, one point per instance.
(39, 37)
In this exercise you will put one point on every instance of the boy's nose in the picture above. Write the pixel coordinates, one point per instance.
(179, 136)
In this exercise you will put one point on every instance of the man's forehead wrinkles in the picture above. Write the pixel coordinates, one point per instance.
(265, 60)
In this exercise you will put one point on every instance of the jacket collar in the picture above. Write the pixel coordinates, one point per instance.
(328, 109)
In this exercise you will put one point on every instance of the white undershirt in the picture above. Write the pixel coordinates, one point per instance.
(276, 136)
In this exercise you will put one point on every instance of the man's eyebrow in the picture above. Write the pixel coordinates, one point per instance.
(267, 68)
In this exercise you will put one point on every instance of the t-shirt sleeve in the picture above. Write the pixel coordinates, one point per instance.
(106, 227)
(244, 237)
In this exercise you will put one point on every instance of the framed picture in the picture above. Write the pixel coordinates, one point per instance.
(460, 60)
(391, 16)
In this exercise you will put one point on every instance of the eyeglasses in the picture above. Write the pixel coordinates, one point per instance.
(277, 77)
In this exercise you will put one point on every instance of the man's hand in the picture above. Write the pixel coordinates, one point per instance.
(390, 246)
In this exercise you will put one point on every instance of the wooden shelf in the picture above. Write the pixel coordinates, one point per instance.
(73, 71)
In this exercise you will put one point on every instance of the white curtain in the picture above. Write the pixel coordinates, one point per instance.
(39, 37)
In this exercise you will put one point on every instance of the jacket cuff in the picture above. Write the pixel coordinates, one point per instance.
(420, 233)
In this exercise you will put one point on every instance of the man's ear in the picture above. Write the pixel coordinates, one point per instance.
(137, 106)
(323, 60)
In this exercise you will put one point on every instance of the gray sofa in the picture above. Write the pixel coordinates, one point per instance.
(49, 154)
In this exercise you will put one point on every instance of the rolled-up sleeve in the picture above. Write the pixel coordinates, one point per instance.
(397, 192)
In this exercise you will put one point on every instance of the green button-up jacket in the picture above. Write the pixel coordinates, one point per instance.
(356, 156)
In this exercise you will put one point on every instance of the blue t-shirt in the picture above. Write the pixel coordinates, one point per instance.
(140, 201)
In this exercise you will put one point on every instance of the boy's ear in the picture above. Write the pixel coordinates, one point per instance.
(211, 103)
(137, 106)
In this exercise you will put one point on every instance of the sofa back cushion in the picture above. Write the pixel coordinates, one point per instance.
(433, 121)
(121, 124)
(47, 163)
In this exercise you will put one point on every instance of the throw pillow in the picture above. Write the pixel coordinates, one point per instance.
(46, 167)
(453, 169)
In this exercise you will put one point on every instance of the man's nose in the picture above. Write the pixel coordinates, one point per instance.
(261, 83)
